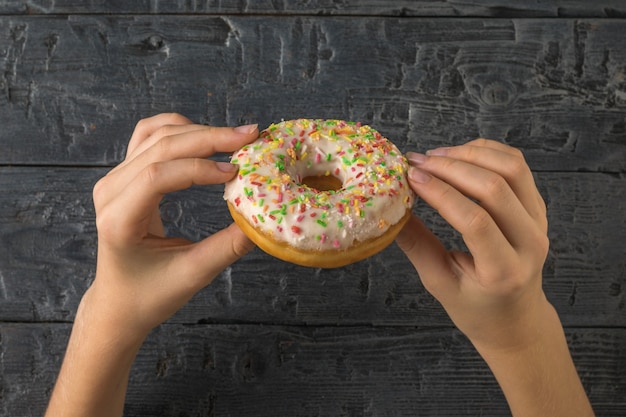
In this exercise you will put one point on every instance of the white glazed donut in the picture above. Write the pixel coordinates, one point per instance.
(322, 193)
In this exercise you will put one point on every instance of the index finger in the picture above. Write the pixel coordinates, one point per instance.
(199, 143)
(509, 163)
(194, 141)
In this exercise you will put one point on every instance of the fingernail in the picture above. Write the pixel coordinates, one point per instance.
(415, 158)
(418, 175)
(226, 167)
(438, 152)
(246, 129)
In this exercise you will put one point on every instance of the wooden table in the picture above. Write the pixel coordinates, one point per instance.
(268, 338)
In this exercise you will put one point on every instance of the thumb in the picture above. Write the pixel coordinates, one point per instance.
(428, 256)
(212, 255)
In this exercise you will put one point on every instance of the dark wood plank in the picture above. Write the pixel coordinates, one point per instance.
(47, 239)
(286, 371)
(73, 86)
(269, 338)
(487, 8)
(48, 245)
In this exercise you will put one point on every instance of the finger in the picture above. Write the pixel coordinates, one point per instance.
(508, 162)
(164, 131)
(209, 257)
(494, 144)
(146, 127)
(197, 141)
(484, 239)
(492, 191)
(429, 257)
(196, 144)
(134, 205)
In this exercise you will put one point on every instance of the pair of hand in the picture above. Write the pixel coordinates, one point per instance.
(484, 189)
(493, 293)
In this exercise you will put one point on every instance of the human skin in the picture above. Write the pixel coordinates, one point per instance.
(493, 293)
(143, 277)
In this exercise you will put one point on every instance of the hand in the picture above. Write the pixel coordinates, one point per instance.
(493, 294)
(485, 190)
(142, 275)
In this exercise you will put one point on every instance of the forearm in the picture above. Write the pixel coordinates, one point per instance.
(94, 375)
(142, 276)
(540, 379)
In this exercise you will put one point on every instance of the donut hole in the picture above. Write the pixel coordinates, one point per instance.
(323, 182)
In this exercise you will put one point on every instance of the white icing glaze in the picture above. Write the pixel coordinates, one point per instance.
(268, 191)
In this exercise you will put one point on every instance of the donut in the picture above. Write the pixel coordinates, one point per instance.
(320, 193)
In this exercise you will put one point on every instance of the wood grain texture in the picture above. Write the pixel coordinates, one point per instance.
(48, 241)
(486, 8)
(267, 337)
(302, 371)
(73, 86)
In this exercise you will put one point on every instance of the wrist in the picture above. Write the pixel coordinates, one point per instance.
(97, 364)
(536, 373)
(105, 316)
(534, 324)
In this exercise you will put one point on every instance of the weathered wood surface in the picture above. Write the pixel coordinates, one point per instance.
(269, 338)
(486, 8)
(243, 370)
(73, 86)
(48, 241)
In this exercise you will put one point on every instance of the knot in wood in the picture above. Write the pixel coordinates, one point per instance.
(251, 366)
(498, 93)
(171, 211)
(154, 43)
